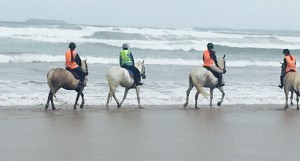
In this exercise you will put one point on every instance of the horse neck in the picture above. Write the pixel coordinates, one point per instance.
(83, 65)
(138, 65)
(221, 64)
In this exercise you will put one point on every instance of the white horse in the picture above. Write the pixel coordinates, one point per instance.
(61, 78)
(201, 77)
(288, 83)
(120, 76)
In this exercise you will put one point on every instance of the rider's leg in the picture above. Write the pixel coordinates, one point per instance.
(219, 73)
(81, 74)
(137, 76)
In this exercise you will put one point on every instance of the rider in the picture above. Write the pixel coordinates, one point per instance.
(209, 59)
(73, 63)
(127, 62)
(289, 65)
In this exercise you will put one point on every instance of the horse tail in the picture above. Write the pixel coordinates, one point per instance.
(50, 84)
(198, 85)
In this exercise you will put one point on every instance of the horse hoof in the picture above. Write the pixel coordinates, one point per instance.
(196, 107)
(119, 106)
(53, 108)
(141, 107)
(185, 105)
(219, 103)
(285, 107)
(81, 106)
(46, 107)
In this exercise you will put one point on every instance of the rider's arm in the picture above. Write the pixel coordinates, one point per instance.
(131, 58)
(284, 64)
(78, 60)
(213, 56)
(120, 60)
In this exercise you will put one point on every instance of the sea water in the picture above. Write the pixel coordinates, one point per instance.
(28, 50)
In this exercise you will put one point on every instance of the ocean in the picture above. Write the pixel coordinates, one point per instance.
(28, 50)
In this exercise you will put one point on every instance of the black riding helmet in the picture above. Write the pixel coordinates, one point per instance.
(210, 46)
(286, 51)
(72, 46)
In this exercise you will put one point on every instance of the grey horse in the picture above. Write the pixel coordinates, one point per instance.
(61, 78)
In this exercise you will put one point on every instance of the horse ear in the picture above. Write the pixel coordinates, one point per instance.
(85, 59)
(224, 56)
(143, 61)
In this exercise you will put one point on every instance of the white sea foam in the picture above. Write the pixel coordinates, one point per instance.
(156, 39)
(30, 58)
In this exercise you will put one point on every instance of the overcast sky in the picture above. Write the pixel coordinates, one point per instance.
(238, 14)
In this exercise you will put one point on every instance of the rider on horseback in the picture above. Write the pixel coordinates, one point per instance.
(127, 62)
(73, 64)
(288, 65)
(209, 59)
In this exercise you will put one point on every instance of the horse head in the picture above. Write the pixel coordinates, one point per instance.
(222, 63)
(140, 65)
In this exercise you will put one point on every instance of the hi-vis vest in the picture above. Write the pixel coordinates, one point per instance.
(126, 59)
(69, 62)
(208, 61)
(290, 63)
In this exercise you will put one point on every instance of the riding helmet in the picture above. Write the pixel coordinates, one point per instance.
(125, 46)
(72, 46)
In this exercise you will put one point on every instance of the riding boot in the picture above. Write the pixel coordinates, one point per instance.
(81, 82)
(138, 83)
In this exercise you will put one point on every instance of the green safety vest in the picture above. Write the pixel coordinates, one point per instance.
(125, 56)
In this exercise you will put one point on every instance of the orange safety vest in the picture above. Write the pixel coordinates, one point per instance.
(290, 63)
(69, 62)
(208, 61)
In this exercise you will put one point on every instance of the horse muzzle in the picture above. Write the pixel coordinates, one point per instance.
(144, 76)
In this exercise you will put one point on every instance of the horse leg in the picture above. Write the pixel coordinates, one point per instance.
(223, 95)
(196, 100)
(188, 93)
(118, 104)
(297, 98)
(82, 100)
(211, 96)
(124, 97)
(52, 103)
(47, 104)
(108, 98)
(286, 91)
(292, 93)
(77, 97)
(137, 88)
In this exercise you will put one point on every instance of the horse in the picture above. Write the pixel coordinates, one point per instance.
(288, 82)
(120, 76)
(61, 78)
(296, 88)
(201, 77)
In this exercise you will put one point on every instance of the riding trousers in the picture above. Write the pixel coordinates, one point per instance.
(136, 72)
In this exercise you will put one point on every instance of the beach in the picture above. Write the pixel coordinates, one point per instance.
(154, 133)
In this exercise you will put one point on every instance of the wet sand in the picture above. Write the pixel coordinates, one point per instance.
(155, 133)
